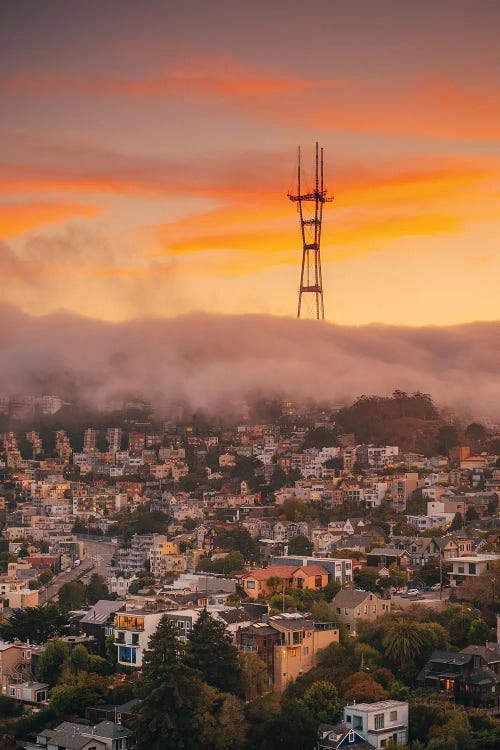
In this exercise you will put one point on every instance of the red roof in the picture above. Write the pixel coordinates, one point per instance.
(281, 571)
(285, 571)
(314, 570)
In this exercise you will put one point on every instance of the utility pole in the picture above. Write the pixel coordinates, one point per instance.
(311, 278)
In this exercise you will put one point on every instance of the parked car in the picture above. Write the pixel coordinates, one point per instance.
(413, 592)
(436, 587)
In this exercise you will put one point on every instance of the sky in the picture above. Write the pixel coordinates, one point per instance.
(147, 148)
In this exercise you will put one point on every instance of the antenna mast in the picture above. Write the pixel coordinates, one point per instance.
(311, 279)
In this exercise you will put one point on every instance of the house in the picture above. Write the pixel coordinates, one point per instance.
(339, 569)
(15, 664)
(335, 737)
(385, 556)
(70, 736)
(470, 566)
(120, 714)
(97, 622)
(288, 644)
(353, 605)
(470, 678)
(255, 583)
(31, 693)
(132, 631)
(379, 722)
(300, 642)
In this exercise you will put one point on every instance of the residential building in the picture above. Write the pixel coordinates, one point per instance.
(470, 566)
(352, 606)
(132, 631)
(339, 736)
(470, 678)
(255, 583)
(379, 722)
(70, 736)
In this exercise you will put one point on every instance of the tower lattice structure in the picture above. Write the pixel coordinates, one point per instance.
(311, 217)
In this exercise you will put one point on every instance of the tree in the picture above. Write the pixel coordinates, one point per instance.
(300, 545)
(322, 612)
(447, 438)
(96, 589)
(362, 688)
(171, 695)
(322, 700)
(65, 700)
(294, 729)
(403, 640)
(234, 562)
(457, 523)
(45, 576)
(254, 675)
(212, 653)
(221, 720)
(475, 433)
(479, 632)
(51, 660)
(79, 659)
(141, 583)
(71, 596)
(367, 578)
(274, 583)
(34, 624)
(471, 514)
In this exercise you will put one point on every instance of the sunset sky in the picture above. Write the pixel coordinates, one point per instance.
(146, 150)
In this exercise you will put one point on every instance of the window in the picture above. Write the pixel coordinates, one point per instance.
(135, 639)
(357, 722)
(379, 721)
(394, 715)
(305, 651)
(250, 584)
(351, 737)
(348, 719)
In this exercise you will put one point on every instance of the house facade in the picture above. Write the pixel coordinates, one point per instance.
(379, 723)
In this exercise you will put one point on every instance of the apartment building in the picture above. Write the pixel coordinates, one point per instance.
(132, 631)
(379, 723)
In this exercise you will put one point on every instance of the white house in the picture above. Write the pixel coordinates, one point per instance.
(380, 722)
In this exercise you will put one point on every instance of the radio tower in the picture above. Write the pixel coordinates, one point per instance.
(311, 279)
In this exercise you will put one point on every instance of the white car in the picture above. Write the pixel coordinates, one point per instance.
(436, 587)
(413, 592)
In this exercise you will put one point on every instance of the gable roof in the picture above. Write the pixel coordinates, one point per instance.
(350, 598)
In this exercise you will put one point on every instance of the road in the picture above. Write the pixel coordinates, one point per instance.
(431, 598)
(98, 558)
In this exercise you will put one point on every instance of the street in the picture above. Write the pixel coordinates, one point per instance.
(98, 558)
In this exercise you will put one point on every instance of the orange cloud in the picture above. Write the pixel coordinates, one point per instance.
(369, 209)
(213, 76)
(430, 105)
(16, 219)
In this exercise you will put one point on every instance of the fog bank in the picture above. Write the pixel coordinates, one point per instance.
(210, 360)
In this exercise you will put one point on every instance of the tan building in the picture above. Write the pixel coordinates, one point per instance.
(352, 606)
(15, 664)
(300, 641)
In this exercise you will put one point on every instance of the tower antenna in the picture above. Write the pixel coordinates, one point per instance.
(311, 279)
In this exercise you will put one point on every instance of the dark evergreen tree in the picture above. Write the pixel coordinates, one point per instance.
(212, 653)
(171, 695)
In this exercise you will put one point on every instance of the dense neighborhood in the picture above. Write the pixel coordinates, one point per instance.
(281, 575)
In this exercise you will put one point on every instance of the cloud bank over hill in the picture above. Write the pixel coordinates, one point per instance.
(210, 361)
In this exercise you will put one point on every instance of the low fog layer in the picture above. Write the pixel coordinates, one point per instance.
(211, 360)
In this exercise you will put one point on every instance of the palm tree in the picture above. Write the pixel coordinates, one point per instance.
(403, 640)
